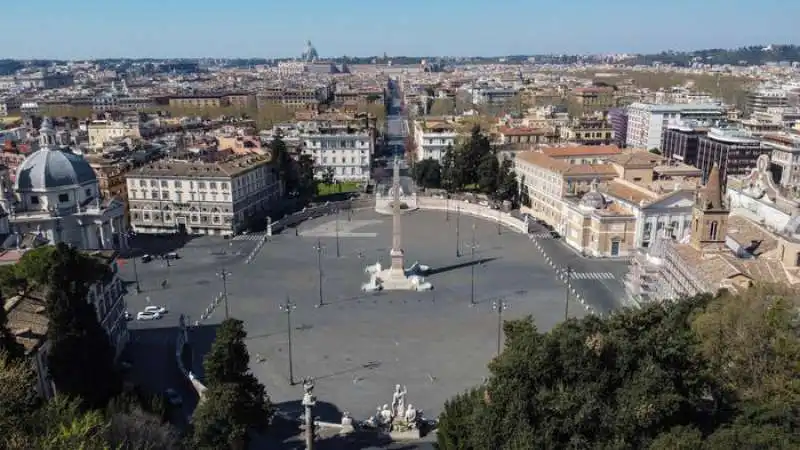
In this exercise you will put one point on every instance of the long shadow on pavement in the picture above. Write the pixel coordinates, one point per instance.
(443, 269)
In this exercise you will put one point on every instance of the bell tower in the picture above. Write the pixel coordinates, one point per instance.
(710, 214)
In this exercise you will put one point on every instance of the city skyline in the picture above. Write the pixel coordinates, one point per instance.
(179, 28)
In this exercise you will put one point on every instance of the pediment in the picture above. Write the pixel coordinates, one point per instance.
(675, 200)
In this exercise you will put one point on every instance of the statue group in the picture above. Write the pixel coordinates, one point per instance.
(397, 416)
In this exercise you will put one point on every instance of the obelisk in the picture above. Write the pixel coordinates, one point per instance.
(397, 268)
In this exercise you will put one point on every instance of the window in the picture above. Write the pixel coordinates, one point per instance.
(35, 199)
(142, 183)
(63, 198)
(89, 192)
(212, 185)
(164, 183)
(165, 195)
(154, 195)
(153, 183)
(177, 184)
(712, 231)
(201, 185)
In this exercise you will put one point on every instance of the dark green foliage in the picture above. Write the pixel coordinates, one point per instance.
(306, 185)
(635, 380)
(235, 401)
(507, 186)
(428, 173)
(18, 398)
(328, 176)
(488, 173)
(81, 358)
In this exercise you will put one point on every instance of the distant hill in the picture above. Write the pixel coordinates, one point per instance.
(752, 55)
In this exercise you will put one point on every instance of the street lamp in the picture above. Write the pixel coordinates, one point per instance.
(338, 253)
(458, 231)
(473, 246)
(287, 308)
(499, 225)
(319, 248)
(447, 208)
(568, 273)
(224, 274)
(350, 209)
(499, 306)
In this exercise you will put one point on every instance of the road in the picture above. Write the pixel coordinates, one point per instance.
(396, 126)
(599, 281)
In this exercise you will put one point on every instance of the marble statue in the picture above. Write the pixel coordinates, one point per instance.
(385, 415)
(308, 391)
(411, 415)
(399, 401)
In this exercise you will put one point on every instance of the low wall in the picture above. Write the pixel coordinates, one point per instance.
(293, 219)
(472, 209)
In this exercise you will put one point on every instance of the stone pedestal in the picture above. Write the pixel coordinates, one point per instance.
(406, 435)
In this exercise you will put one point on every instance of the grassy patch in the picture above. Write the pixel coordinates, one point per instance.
(328, 189)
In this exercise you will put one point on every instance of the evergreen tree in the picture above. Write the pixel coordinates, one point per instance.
(235, 401)
(428, 173)
(451, 181)
(488, 174)
(507, 186)
(81, 358)
(18, 398)
(306, 184)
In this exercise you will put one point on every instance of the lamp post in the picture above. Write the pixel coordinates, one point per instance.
(447, 208)
(224, 274)
(319, 248)
(287, 308)
(499, 306)
(499, 224)
(129, 234)
(568, 273)
(458, 231)
(473, 246)
(350, 209)
(338, 253)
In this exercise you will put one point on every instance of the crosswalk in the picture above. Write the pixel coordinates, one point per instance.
(249, 237)
(543, 235)
(592, 276)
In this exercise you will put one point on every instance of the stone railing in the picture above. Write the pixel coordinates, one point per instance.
(310, 212)
(180, 344)
(484, 212)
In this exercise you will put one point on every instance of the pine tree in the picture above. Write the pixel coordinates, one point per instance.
(81, 357)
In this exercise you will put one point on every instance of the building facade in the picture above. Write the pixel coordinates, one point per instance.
(433, 140)
(102, 132)
(346, 152)
(733, 151)
(646, 122)
(197, 197)
(679, 142)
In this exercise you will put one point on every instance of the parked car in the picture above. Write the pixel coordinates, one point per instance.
(146, 258)
(148, 315)
(173, 397)
(156, 309)
(171, 255)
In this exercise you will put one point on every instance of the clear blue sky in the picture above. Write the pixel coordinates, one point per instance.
(268, 28)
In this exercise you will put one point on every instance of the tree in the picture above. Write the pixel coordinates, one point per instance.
(63, 425)
(306, 184)
(18, 398)
(488, 174)
(469, 156)
(328, 176)
(216, 420)
(428, 173)
(235, 401)
(81, 358)
(451, 179)
(9, 347)
(443, 107)
(507, 186)
(281, 156)
(646, 378)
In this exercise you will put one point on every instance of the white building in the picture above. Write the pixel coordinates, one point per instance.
(433, 140)
(785, 154)
(102, 132)
(646, 122)
(56, 197)
(197, 197)
(347, 152)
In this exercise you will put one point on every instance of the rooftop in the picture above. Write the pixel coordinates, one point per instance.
(582, 150)
(233, 166)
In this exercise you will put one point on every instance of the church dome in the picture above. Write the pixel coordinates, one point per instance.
(593, 200)
(51, 170)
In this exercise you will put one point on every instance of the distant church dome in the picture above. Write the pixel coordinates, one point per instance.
(49, 169)
(593, 199)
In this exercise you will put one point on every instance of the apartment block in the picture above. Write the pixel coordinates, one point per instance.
(203, 197)
(432, 139)
(347, 152)
(102, 132)
(734, 152)
(646, 122)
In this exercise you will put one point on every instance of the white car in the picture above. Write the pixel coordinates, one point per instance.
(148, 315)
(155, 309)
